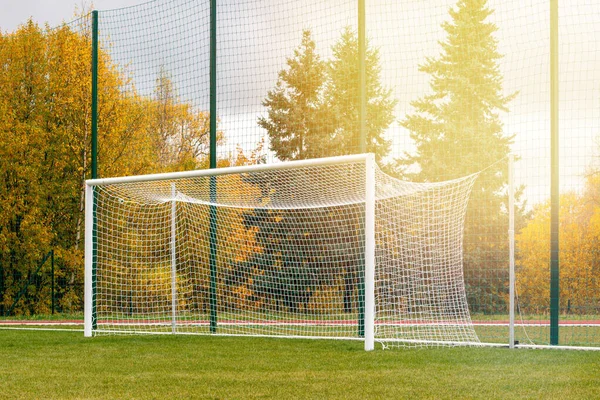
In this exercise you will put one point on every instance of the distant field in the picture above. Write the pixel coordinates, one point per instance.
(44, 364)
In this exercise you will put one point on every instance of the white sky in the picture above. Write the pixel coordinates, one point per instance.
(16, 12)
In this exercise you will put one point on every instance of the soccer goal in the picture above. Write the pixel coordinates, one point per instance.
(325, 248)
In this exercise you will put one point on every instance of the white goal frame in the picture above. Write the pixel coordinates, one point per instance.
(367, 159)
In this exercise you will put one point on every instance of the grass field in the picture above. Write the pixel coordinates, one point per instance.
(42, 364)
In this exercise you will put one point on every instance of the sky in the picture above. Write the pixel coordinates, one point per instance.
(16, 12)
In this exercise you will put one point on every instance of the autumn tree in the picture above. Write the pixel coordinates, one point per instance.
(45, 137)
(180, 133)
(457, 131)
(579, 232)
(24, 233)
(44, 140)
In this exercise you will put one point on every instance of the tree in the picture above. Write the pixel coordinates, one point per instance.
(342, 99)
(457, 131)
(180, 134)
(44, 135)
(24, 234)
(295, 120)
(44, 149)
(579, 232)
(313, 112)
(313, 109)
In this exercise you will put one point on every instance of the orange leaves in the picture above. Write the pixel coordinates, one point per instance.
(45, 140)
(579, 235)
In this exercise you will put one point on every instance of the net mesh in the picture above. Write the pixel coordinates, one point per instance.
(290, 256)
(286, 89)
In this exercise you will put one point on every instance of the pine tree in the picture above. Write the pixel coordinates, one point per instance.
(295, 121)
(313, 109)
(342, 98)
(457, 129)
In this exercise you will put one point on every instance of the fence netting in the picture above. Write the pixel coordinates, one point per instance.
(452, 87)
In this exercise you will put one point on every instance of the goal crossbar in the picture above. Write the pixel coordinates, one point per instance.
(230, 170)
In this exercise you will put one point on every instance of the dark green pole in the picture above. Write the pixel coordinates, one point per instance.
(94, 155)
(362, 77)
(94, 94)
(213, 164)
(52, 284)
(554, 182)
(362, 145)
(361, 287)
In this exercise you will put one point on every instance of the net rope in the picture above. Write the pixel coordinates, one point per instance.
(290, 256)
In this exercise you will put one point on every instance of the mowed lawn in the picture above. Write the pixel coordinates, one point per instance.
(46, 364)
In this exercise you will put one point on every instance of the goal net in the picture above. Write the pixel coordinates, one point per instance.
(327, 248)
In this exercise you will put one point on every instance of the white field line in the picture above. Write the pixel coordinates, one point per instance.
(331, 323)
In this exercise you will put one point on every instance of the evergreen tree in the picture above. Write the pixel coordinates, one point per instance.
(457, 130)
(313, 109)
(295, 121)
(342, 99)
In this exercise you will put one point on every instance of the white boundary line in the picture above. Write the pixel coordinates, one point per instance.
(39, 328)
(378, 340)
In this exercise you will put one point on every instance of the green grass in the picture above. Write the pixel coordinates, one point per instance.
(38, 364)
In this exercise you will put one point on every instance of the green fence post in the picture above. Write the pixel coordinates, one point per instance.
(94, 94)
(362, 145)
(94, 156)
(213, 164)
(554, 185)
(362, 77)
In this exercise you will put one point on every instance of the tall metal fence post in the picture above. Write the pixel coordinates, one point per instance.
(94, 160)
(94, 125)
(213, 164)
(554, 172)
(362, 77)
(362, 137)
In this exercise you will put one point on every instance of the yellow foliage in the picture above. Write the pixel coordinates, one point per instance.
(45, 141)
(579, 239)
(324, 300)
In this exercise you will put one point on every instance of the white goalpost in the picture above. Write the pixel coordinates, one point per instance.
(324, 248)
